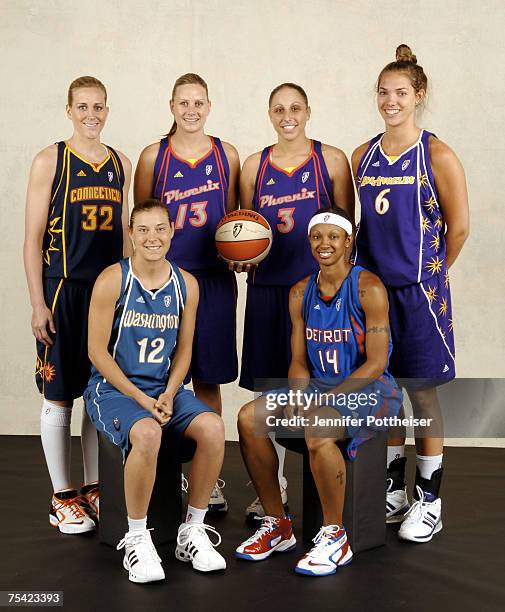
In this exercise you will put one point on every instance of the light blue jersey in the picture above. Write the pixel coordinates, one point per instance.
(144, 330)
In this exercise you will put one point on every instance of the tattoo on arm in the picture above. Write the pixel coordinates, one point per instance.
(378, 330)
(340, 477)
(298, 293)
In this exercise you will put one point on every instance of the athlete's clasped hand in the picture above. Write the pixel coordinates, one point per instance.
(163, 408)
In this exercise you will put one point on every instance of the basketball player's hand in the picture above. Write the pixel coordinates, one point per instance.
(42, 324)
(236, 266)
(290, 411)
(164, 407)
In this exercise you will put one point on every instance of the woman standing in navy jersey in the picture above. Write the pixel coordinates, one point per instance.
(287, 183)
(414, 222)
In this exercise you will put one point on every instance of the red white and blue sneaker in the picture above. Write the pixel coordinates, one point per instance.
(330, 552)
(424, 519)
(217, 502)
(274, 535)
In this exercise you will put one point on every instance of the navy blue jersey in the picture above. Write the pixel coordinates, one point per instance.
(145, 328)
(335, 330)
(84, 233)
(196, 194)
(288, 200)
(400, 236)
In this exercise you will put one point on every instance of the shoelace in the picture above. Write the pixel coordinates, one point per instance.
(184, 483)
(147, 552)
(216, 491)
(418, 508)
(197, 531)
(268, 524)
(72, 505)
(389, 483)
(324, 535)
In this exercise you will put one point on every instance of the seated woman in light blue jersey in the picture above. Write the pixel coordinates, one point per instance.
(339, 388)
(141, 324)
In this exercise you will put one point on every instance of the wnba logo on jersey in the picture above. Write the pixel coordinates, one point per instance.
(167, 300)
(305, 177)
(405, 164)
(208, 169)
(111, 176)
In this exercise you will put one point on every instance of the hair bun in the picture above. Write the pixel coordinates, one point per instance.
(404, 54)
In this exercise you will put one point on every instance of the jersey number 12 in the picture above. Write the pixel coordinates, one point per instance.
(152, 356)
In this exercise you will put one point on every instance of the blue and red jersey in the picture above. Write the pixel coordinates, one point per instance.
(84, 232)
(196, 196)
(288, 200)
(401, 233)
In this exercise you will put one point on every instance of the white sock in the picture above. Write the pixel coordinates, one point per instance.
(89, 446)
(195, 515)
(427, 464)
(56, 442)
(137, 524)
(281, 454)
(395, 452)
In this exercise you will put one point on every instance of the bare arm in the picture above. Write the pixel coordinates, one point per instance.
(101, 315)
(298, 369)
(144, 174)
(125, 214)
(356, 158)
(184, 348)
(247, 180)
(37, 209)
(233, 187)
(341, 178)
(451, 186)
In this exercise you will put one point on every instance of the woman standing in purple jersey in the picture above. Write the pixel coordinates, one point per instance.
(414, 222)
(286, 182)
(196, 176)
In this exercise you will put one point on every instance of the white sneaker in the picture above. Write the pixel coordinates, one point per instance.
(423, 520)
(217, 502)
(397, 504)
(140, 558)
(330, 552)
(193, 544)
(255, 511)
(68, 515)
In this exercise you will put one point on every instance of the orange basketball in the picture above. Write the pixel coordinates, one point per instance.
(243, 236)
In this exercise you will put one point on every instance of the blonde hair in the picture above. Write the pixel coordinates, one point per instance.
(189, 78)
(85, 81)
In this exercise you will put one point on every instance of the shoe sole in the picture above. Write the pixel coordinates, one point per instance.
(282, 547)
(423, 538)
(396, 518)
(347, 561)
(69, 529)
(137, 579)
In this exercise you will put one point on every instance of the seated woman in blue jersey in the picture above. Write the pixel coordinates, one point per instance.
(332, 354)
(141, 323)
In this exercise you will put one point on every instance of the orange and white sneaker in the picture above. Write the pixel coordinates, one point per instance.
(68, 515)
(274, 535)
(90, 496)
(330, 551)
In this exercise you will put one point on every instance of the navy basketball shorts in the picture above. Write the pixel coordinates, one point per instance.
(114, 414)
(266, 348)
(214, 359)
(62, 370)
(421, 322)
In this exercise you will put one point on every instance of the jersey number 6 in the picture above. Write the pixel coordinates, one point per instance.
(381, 202)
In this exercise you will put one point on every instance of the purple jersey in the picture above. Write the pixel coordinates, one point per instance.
(196, 196)
(401, 233)
(288, 200)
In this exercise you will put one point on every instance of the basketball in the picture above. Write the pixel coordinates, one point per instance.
(243, 236)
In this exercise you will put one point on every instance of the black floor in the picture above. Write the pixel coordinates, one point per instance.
(463, 568)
